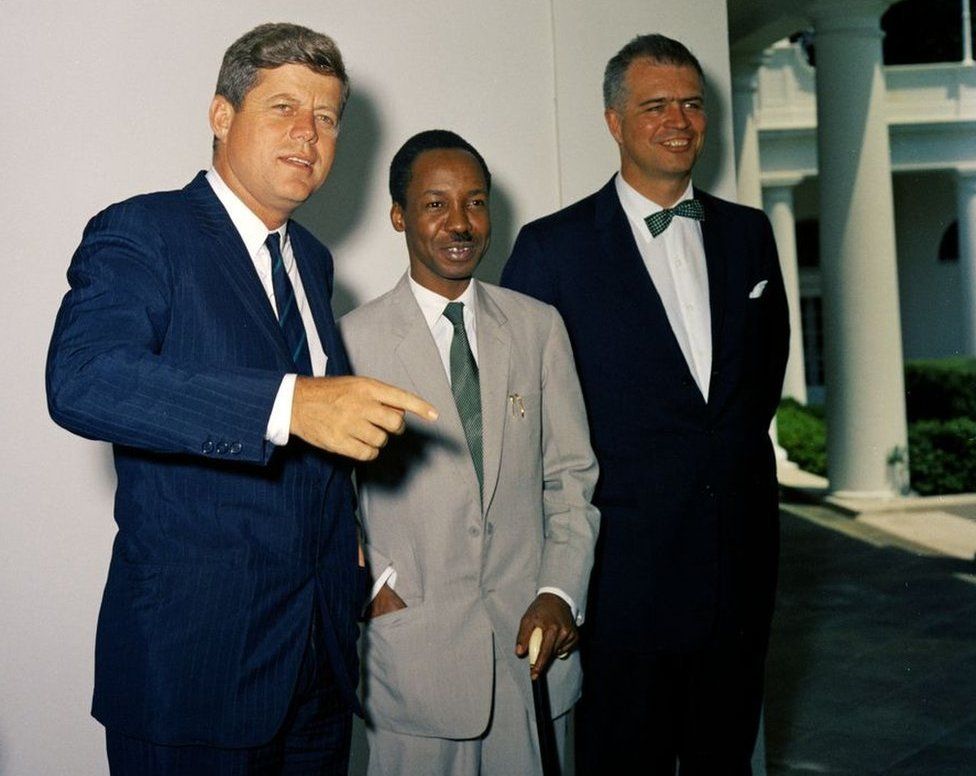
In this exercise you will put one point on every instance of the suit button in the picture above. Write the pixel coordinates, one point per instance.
(472, 531)
(207, 448)
(235, 449)
(222, 448)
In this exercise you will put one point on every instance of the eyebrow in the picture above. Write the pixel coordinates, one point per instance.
(442, 192)
(658, 100)
(288, 97)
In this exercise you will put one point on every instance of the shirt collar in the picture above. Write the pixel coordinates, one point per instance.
(636, 205)
(432, 304)
(252, 229)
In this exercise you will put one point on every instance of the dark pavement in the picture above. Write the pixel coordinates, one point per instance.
(872, 665)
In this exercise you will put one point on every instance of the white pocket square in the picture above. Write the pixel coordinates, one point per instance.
(757, 291)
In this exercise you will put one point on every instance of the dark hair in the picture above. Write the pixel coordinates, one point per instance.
(401, 168)
(268, 46)
(659, 48)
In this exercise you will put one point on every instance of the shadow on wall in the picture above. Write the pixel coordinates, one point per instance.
(503, 228)
(335, 211)
(711, 164)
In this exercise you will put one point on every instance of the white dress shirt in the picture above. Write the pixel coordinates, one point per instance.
(253, 234)
(675, 260)
(432, 306)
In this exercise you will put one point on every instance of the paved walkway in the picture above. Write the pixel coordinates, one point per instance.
(872, 665)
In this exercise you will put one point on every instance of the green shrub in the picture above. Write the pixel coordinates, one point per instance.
(803, 434)
(940, 389)
(942, 453)
(942, 456)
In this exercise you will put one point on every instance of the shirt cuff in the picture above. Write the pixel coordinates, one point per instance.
(577, 615)
(388, 577)
(279, 424)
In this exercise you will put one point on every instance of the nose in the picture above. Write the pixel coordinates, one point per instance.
(675, 114)
(304, 128)
(458, 219)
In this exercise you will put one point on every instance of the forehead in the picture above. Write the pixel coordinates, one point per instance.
(441, 168)
(648, 75)
(295, 79)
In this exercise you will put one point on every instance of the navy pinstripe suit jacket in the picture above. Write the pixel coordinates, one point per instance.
(166, 346)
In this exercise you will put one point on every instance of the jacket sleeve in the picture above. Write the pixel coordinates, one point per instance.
(569, 473)
(106, 377)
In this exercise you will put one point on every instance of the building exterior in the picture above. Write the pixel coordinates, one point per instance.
(868, 174)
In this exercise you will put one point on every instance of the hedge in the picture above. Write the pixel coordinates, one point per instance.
(942, 453)
(940, 389)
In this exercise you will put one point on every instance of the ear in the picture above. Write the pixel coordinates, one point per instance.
(613, 124)
(396, 217)
(221, 116)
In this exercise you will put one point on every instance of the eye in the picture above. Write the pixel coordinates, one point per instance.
(693, 105)
(433, 204)
(479, 202)
(326, 120)
(282, 107)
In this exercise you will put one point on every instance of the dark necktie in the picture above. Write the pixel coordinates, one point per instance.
(661, 220)
(289, 316)
(465, 385)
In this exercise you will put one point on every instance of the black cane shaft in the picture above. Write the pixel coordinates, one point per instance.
(543, 721)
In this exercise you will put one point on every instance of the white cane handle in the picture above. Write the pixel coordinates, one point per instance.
(535, 644)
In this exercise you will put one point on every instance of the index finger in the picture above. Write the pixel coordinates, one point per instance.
(404, 400)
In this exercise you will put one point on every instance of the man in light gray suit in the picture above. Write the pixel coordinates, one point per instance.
(479, 529)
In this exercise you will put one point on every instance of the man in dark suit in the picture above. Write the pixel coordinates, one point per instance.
(676, 311)
(198, 338)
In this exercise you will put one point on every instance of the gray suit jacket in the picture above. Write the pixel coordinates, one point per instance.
(468, 567)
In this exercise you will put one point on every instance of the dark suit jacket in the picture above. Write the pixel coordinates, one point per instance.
(167, 347)
(687, 491)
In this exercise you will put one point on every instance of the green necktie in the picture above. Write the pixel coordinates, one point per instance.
(661, 220)
(465, 385)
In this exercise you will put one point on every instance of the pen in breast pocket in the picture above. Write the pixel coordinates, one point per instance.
(518, 405)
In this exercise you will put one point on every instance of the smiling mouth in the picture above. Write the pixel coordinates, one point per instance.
(298, 161)
(459, 252)
(677, 144)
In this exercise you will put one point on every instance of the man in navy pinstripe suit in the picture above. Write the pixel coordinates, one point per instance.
(198, 339)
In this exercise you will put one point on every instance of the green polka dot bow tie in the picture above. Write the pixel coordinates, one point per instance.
(659, 221)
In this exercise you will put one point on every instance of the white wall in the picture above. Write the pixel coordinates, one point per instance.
(106, 99)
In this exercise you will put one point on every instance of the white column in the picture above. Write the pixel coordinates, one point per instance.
(778, 204)
(748, 176)
(745, 129)
(867, 436)
(966, 211)
(967, 34)
(748, 172)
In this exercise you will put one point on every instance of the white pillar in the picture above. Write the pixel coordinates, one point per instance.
(967, 34)
(745, 129)
(778, 204)
(748, 177)
(866, 429)
(966, 211)
(748, 173)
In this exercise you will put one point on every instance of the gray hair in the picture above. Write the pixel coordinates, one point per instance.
(268, 46)
(659, 48)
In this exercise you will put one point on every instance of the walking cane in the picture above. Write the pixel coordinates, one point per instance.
(543, 711)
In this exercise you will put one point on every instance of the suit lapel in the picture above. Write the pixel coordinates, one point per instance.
(317, 292)
(494, 358)
(226, 250)
(417, 355)
(626, 277)
(716, 260)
